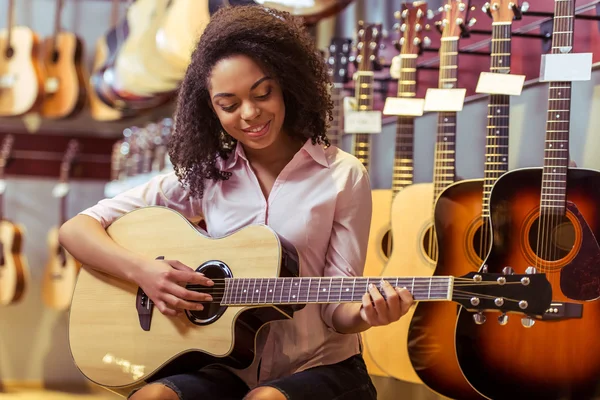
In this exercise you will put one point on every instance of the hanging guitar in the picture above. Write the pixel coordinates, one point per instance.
(338, 64)
(554, 230)
(14, 271)
(119, 340)
(62, 268)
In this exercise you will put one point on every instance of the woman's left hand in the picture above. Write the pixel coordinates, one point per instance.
(377, 310)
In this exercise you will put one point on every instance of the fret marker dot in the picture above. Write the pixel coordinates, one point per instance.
(347, 290)
(489, 158)
(445, 139)
(557, 116)
(445, 119)
(559, 93)
(256, 290)
(294, 296)
(498, 111)
(504, 159)
(244, 290)
(497, 132)
(324, 290)
(550, 145)
(562, 145)
(271, 290)
(296, 284)
(554, 170)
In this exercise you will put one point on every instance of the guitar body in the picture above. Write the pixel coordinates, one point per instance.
(411, 224)
(98, 109)
(60, 275)
(21, 84)
(65, 87)
(458, 224)
(556, 358)
(14, 271)
(378, 252)
(103, 338)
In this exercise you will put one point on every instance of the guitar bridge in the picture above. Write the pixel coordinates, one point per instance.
(144, 307)
(560, 311)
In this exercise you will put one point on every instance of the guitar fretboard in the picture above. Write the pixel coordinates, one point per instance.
(556, 151)
(444, 170)
(249, 291)
(364, 102)
(403, 160)
(496, 148)
(335, 130)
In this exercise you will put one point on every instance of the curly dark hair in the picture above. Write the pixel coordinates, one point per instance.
(278, 42)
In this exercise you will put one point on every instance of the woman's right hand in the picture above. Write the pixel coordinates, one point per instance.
(164, 282)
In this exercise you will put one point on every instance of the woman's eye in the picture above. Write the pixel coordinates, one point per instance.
(228, 108)
(264, 96)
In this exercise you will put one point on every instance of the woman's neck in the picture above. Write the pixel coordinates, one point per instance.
(279, 153)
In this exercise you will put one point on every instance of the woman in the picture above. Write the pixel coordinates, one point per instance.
(250, 147)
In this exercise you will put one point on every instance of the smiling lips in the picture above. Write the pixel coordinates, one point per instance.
(257, 130)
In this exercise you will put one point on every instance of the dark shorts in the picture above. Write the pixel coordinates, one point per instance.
(346, 380)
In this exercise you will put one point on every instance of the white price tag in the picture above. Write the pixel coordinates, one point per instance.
(493, 83)
(566, 67)
(362, 122)
(444, 99)
(349, 104)
(409, 107)
(395, 67)
(60, 190)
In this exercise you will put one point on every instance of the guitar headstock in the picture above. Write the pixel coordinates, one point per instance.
(410, 27)
(7, 145)
(62, 188)
(453, 23)
(339, 59)
(529, 294)
(368, 38)
(503, 11)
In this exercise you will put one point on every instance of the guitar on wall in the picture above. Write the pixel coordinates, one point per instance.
(14, 271)
(338, 64)
(65, 85)
(463, 230)
(118, 339)
(62, 268)
(412, 209)
(410, 27)
(554, 230)
(21, 83)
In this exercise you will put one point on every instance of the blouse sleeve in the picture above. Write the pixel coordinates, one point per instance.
(162, 190)
(347, 250)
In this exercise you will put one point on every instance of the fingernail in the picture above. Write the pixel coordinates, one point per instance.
(210, 283)
(199, 307)
(209, 298)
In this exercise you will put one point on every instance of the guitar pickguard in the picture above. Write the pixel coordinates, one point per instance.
(580, 280)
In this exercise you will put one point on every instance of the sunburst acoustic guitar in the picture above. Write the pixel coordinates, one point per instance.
(411, 29)
(546, 219)
(65, 85)
(14, 271)
(21, 73)
(462, 227)
(412, 209)
(119, 340)
(62, 268)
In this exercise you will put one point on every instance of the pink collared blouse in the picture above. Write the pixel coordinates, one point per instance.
(320, 203)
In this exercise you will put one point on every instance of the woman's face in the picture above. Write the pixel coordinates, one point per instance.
(247, 101)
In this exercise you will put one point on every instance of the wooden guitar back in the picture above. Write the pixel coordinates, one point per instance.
(21, 85)
(65, 86)
(99, 110)
(14, 271)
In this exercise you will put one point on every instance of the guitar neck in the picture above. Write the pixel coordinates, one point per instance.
(59, 5)
(11, 22)
(556, 150)
(335, 130)
(444, 168)
(404, 154)
(364, 102)
(250, 291)
(496, 147)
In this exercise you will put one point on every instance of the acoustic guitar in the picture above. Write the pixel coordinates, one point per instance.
(545, 219)
(410, 27)
(62, 268)
(463, 230)
(119, 340)
(416, 249)
(14, 271)
(21, 83)
(311, 12)
(65, 85)
(338, 64)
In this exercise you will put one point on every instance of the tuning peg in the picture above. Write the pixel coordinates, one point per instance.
(462, 6)
(426, 41)
(503, 319)
(527, 322)
(531, 270)
(419, 13)
(430, 14)
(508, 271)
(472, 22)
(484, 269)
(525, 7)
(516, 11)
(479, 318)
(397, 15)
(427, 27)
(402, 41)
(499, 301)
(403, 28)
(418, 27)
(416, 41)
(487, 9)
(396, 27)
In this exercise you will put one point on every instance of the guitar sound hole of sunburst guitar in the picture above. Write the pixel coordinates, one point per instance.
(216, 271)
(9, 52)
(552, 238)
(387, 244)
(430, 245)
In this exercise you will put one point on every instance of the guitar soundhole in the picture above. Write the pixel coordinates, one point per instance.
(9, 52)
(430, 245)
(387, 244)
(552, 237)
(482, 241)
(55, 56)
(216, 271)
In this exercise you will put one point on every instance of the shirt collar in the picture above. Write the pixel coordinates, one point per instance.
(315, 151)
